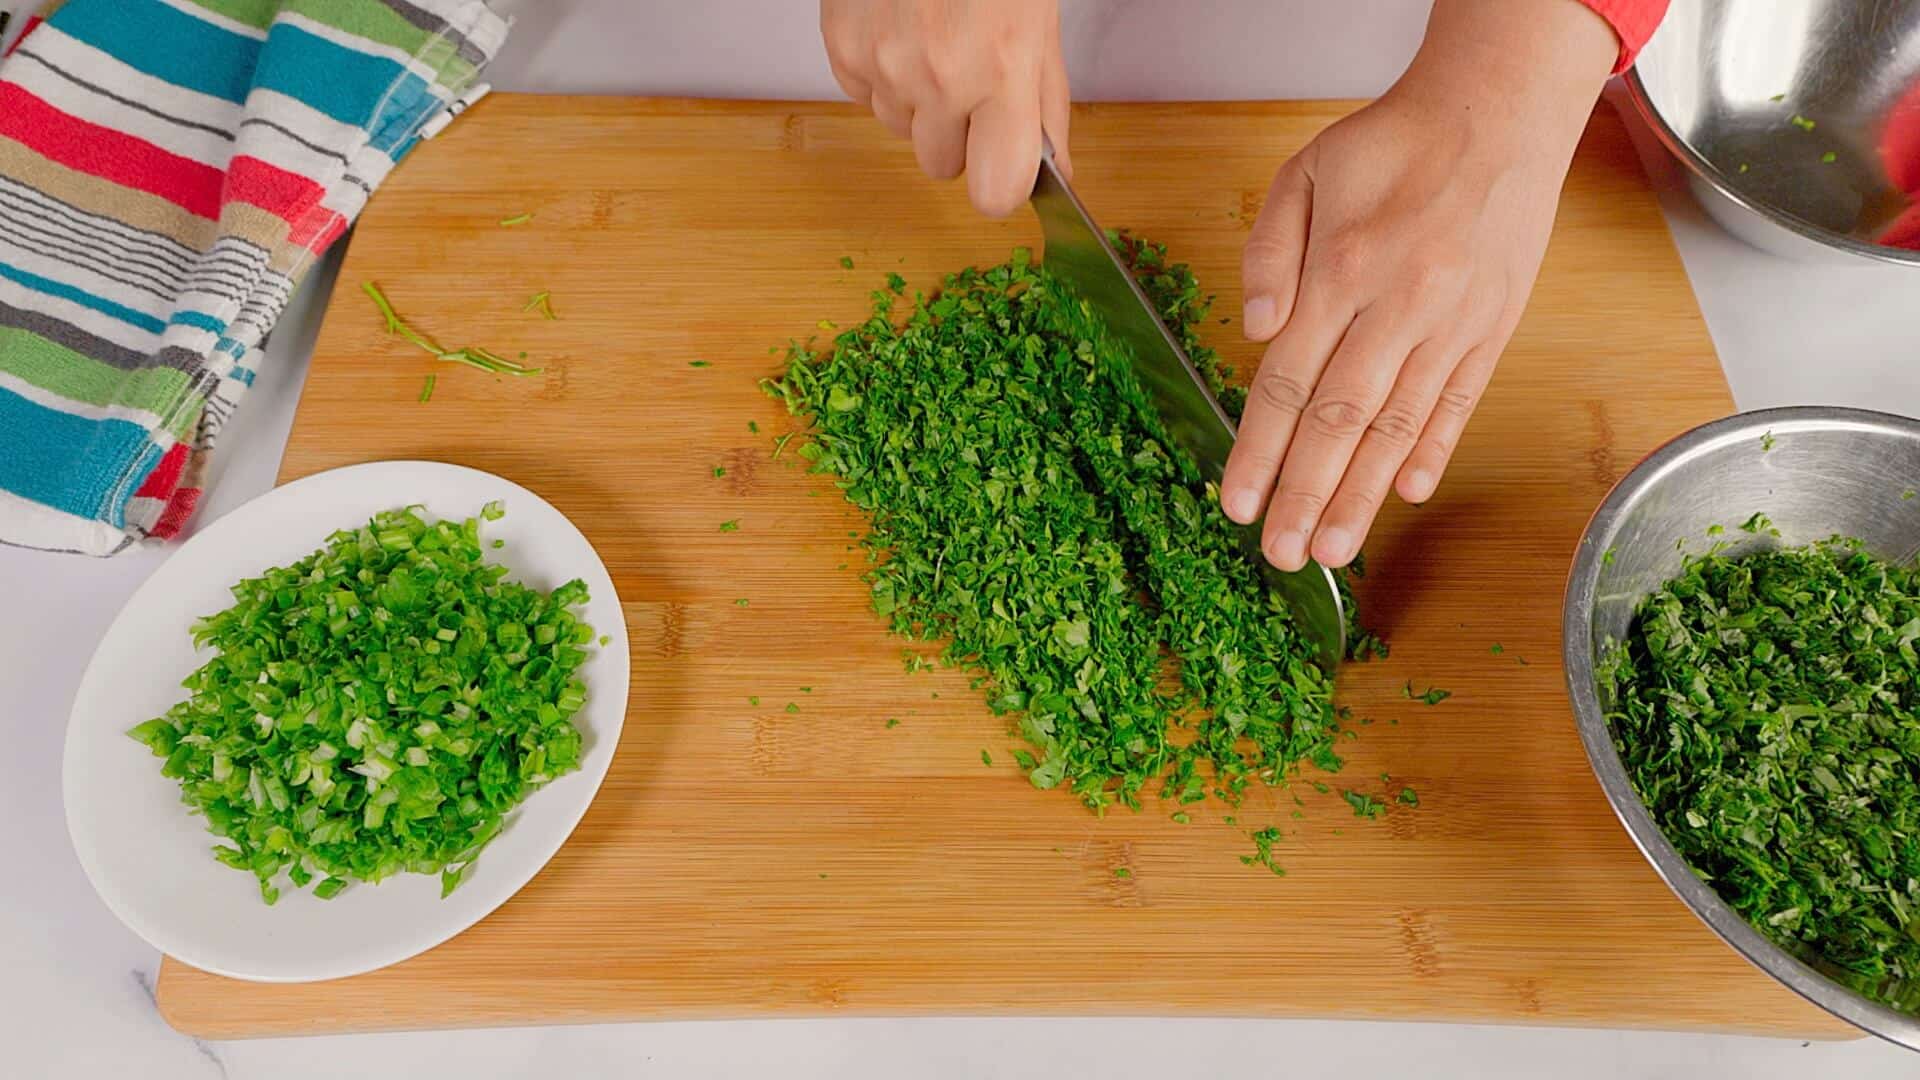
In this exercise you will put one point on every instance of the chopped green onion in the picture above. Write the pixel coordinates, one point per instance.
(377, 707)
(543, 303)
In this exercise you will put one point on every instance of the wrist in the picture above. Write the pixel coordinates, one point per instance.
(1530, 68)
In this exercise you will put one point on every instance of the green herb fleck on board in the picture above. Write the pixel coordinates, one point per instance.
(719, 471)
(986, 758)
(1263, 841)
(517, 219)
(1409, 796)
(1829, 158)
(753, 426)
(1431, 696)
(893, 721)
(1497, 648)
(426, 389)
(1364, 805)
(1122, 872)
(1181, 817)
(754, 701)
(896, 284)
(742, 602)
(543, 303)
(699, 363)
(730, 526)
(846, 262)
(793, 706)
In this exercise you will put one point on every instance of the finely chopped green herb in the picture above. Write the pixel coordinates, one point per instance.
(1765, 708)
(378, 706)
(1027, 509)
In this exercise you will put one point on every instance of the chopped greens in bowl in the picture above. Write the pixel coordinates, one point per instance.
(1764, 707)
(377, 707)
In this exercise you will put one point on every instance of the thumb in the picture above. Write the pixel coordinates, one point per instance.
(1270, 264)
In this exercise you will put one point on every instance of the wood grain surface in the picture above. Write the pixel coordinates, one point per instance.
(750, 861)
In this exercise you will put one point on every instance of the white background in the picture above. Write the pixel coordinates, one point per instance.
(75, 987)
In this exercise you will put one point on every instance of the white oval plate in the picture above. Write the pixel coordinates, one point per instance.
(149, 857)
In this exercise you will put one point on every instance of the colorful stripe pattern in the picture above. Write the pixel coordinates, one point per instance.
(169, 170)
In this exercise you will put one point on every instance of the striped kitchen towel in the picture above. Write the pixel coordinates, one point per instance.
(169, 170)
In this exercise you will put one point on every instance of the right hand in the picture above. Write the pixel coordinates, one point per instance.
(973, 83)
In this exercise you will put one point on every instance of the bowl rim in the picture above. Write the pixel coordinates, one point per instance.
(1596, 736)
(1680, 148)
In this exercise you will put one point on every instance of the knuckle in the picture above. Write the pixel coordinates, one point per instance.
(1356, 506)
(1301, 505)
(1429, 276)
(1347, 261)
(1269, 253)
(1397, 425)
(945, 70)
(1281, 392)
(1248, 464)
(1339, 416)
(897, 62)
(1455, 403)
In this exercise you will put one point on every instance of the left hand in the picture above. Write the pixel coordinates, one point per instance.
(1390, 265)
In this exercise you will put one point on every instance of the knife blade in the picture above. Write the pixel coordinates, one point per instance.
(1077, 252)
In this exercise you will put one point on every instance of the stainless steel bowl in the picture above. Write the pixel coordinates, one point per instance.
(1708, 84)
(1815, 472)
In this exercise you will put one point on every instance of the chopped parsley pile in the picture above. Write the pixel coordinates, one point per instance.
(378, 706)
(1765, 709)
(1027, 510)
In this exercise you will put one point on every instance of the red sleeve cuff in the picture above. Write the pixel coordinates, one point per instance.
(1633, 21)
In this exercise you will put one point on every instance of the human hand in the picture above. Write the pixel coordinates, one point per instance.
(1390, 264)
(973, 83)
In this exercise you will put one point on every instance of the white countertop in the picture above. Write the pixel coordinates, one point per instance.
(76, 987)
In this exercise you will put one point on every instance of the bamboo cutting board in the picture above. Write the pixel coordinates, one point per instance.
(750, 861)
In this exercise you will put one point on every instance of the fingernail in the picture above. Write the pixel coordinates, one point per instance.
(1288, 551)
(1243, 506)
(1334, 546)
(1419, 486)
(1257, 320)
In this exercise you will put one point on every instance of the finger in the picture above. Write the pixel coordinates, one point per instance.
(1003, 148)
(894, 114)
(1056, 113)
(1347, 398)
(940, 142)
(840, 30)
(1420, 476)
(1382, 450)
(1275, 398)
(1271, 262)
(857, 89)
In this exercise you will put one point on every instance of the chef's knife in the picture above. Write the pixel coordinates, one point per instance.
(1077, 253)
